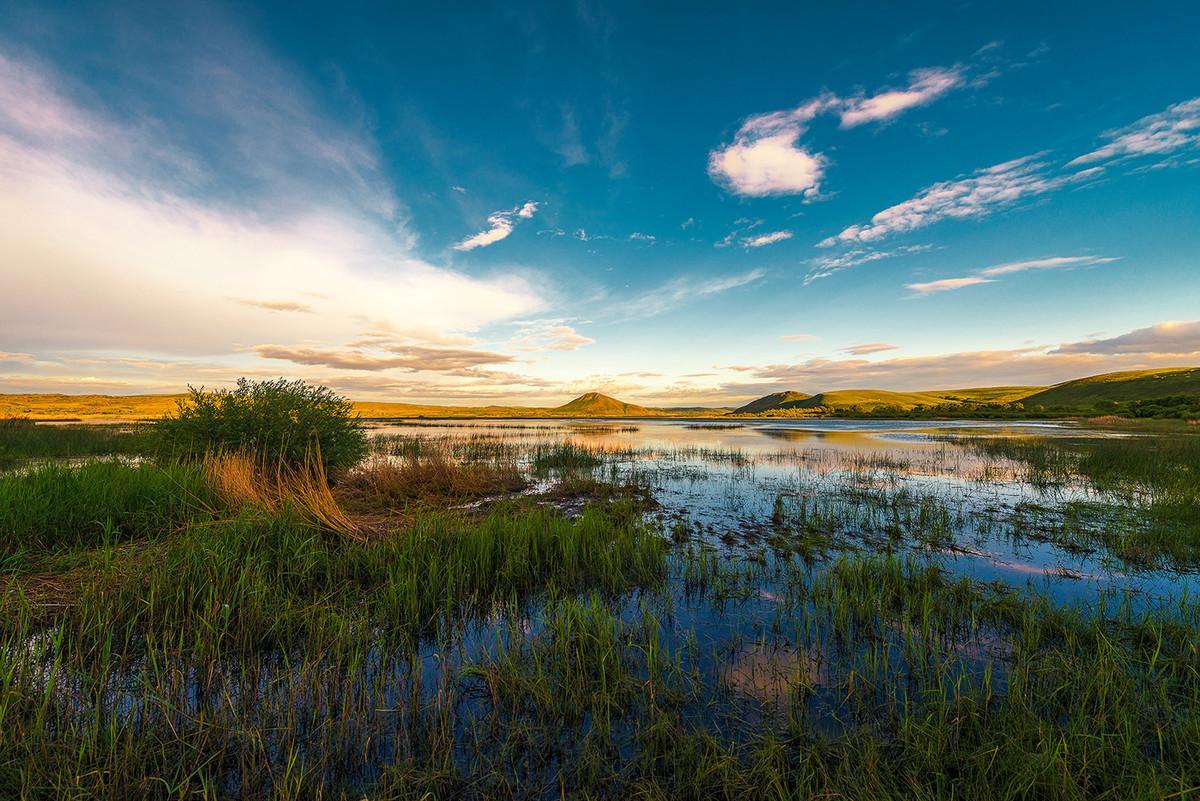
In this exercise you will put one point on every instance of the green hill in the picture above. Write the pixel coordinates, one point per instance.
(988, 394)
(867, 399)
(1132, 385)
(593, 404)
(776, 400)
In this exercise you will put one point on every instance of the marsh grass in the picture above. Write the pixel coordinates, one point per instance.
(1154, 481)
(247, 648)
(21, 439)
(433, 474)
(54, 507)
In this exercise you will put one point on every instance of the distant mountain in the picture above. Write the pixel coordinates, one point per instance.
(776, 400)
(863, 399)
(1131, 385)
(593, 404)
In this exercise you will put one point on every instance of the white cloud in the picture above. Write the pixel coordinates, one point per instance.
(541, 335)
(638, 236)
(989, 274)
(1051, 263)
(1176, 128)
(799, 338)
(766, 156)
(988, 190)
(947, 284)
(866, 348)
(973, 196)
(925, 86)
(103, 255)
(825, 266)
(762, 240)
(501, 224)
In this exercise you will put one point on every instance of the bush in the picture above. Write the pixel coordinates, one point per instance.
(277, 420)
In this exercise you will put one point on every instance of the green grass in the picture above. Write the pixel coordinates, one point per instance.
(56, 507)
(564, 457)
(21, 440)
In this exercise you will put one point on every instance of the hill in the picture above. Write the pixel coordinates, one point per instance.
(1132, 385)
(867, 399)
(988, 394)
(776, 400)
(87, 407)
(593, 404)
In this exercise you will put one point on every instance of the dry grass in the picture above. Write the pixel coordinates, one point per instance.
(434, 475)
(242, 481)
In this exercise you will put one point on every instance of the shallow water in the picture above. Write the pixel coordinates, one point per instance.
(728, 481)
(746, 621)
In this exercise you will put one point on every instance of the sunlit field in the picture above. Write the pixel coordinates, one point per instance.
(657, 609)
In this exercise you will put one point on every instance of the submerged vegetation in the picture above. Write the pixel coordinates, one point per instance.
(599, 612)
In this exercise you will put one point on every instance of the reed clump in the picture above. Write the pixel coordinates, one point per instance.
(433, 474)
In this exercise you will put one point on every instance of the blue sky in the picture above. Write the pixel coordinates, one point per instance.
(674, 204)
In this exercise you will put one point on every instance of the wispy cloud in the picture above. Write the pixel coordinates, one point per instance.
(990, 274)
(925, 86)
(406, 357)
(501, 224)
(947, 284)
(761, 240)
(277, 305)
(825, 266)
(542, 335)
(1051, 263)
(799, 338)
(974, 196)
(680, 291)
(1004, 185)
(766, 156)
(1177, 128)
(867, 348)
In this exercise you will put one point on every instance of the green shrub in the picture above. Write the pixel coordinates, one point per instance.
(271, 420)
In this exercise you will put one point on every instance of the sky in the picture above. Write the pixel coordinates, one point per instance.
(672, 203)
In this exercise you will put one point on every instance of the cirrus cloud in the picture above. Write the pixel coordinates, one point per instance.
(1168, 131)
(989, 274)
